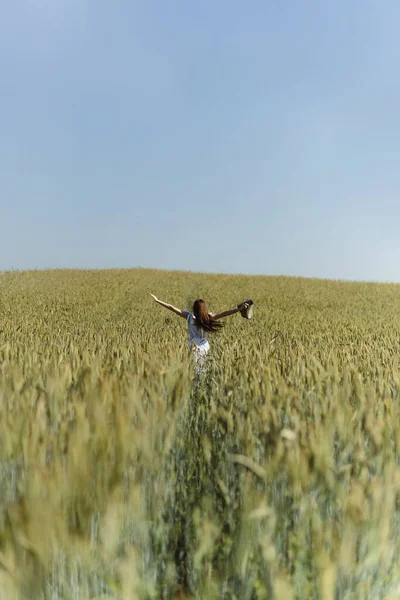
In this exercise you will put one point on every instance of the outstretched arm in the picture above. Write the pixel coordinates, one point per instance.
(232, 311)
(177, 311)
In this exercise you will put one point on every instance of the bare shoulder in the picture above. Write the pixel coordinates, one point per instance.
(185, 313)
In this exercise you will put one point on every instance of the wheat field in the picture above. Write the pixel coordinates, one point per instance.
(276, 476)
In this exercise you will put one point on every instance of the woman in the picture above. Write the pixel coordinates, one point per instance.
(200, 322)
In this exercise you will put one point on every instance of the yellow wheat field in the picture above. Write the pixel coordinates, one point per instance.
(275, 477)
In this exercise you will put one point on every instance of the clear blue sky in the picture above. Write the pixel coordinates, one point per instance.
(252, 137)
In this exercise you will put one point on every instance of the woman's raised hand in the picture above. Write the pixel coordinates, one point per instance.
(154, 297)
(243, 305)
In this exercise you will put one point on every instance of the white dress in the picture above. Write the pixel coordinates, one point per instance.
(197, 340)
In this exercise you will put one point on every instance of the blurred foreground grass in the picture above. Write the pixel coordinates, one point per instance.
(278, 477)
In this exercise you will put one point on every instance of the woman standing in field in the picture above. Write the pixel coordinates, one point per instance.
(200, 322)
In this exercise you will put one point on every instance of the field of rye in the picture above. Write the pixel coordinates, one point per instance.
(275, 477)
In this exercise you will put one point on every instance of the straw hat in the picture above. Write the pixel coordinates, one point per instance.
(247, 313)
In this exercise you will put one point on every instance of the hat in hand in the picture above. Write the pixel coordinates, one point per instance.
(247, 311)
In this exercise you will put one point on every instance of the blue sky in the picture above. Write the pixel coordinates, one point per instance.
(223, 136)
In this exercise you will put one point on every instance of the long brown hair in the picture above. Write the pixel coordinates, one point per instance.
(203, 319)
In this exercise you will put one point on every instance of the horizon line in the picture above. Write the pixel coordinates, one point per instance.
(189, 271)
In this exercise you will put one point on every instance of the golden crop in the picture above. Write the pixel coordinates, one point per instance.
(277, 476)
